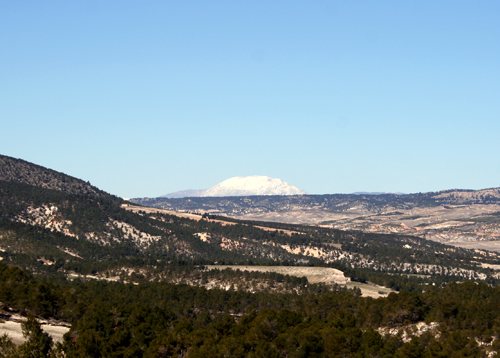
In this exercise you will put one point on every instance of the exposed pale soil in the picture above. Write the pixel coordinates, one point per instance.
(149, 210)
(314, 274)
(196, 217)
(325, 275)
(453, 225)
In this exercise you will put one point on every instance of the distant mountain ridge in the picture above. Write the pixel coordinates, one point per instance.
(467, 218)
(185, 194)
(243, 186)
(376, 193)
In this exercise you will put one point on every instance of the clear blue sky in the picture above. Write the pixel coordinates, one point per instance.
(143, 98)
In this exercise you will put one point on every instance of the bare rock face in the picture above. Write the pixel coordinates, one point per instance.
(252, 185)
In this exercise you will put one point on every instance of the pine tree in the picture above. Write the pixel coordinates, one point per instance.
(38, 343)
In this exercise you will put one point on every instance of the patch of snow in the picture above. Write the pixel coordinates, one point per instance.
(66, 250)
(252, 185)
(203, 236)
(46, 216)
(134, 234)
(14, 331)
(408, 332)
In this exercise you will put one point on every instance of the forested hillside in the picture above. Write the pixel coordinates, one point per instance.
(132, 281)
(49, 230)
(21, 171)
(156, 319)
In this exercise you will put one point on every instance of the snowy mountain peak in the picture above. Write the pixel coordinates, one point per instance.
(253, 185)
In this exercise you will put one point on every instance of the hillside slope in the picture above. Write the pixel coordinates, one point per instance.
(53, 230)
(21, 171)
(461, 217)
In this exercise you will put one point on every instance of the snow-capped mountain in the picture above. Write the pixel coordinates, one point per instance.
(253, 185)
(243, 186)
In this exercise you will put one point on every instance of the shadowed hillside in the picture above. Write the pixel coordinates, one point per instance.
(21, 171)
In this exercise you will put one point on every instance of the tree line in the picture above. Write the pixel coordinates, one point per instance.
(158, 319)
